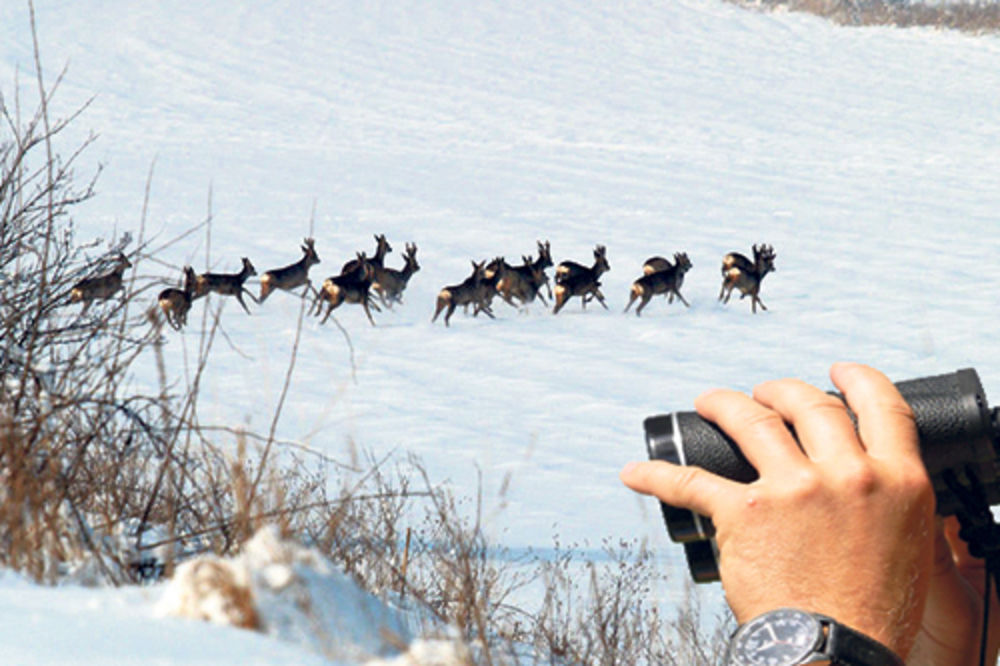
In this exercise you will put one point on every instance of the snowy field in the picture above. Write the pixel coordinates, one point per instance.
(867, 157)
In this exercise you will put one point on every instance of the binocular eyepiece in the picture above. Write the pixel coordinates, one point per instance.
(959, 442)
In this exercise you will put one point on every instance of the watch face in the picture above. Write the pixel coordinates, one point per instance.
(780, 638)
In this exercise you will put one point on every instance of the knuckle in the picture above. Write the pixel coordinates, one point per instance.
(687, 482)
(913, 479)
(826, 402)
(766, 421)
(804, 483)
(858, 478)
(898, 408)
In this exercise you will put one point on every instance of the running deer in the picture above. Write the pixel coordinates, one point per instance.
(470, 292)
(100, 287)
(227, 284)
(738, 272)
(667, 282)
(493, 274)
(349, 287)
(175, 303)
(573, 279)
(377, 260)
(291, 276)
(524, 282)
(390, 283)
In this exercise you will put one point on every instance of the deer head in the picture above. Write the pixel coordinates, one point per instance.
(410, 257)
(309, 250)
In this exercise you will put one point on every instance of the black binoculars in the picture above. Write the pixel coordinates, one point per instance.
(959, 443)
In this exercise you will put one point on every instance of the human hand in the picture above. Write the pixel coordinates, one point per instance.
(840, 521)
(950, 630)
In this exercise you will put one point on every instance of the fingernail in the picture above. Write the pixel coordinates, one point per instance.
(629, 468)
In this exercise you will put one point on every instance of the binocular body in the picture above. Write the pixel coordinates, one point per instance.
(958, 438)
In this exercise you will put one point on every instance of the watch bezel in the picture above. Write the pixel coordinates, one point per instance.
(739, 651)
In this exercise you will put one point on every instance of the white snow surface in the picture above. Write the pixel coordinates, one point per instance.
(867, 157)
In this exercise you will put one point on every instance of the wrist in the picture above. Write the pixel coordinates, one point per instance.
(789, 637)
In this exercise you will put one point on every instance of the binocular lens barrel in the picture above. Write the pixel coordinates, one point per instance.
(955, 425)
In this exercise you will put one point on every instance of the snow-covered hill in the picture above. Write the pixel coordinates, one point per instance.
(866, 157)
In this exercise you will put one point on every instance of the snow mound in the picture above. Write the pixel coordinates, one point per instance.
(293, 593)
(212, 589)
(282, 589)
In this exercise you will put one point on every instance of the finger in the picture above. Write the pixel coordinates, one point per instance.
(760, 432)
(885, 421)
(682, 486)
(820, 420)
(959, 549)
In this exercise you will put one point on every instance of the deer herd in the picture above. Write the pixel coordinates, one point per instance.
(364, 278)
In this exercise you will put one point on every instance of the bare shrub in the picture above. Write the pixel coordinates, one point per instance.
(88, 463)
(604, 611)
(976, 17)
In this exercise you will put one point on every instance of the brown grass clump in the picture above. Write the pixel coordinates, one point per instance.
(213, 590)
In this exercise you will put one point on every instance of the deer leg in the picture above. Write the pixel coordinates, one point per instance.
(728, 284)
(631, 300)
(447, 315)
(364, 304)
(309, 288)
(239, 297)
(441, 303)
(633, 294)
(600, 298)
(377, 288)
(729, 293)
(560, 300)
(483, 307)
(329, 311)
(681, 298)
(645, 299)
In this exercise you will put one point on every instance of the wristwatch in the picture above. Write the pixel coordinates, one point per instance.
(789, 637)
